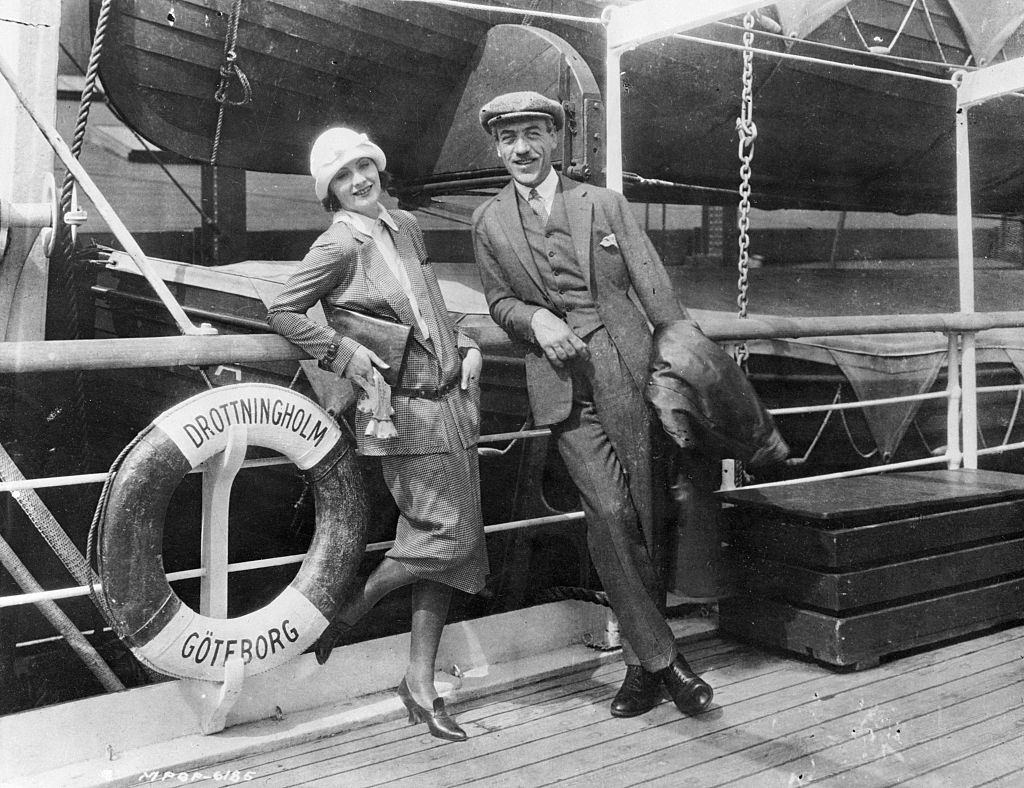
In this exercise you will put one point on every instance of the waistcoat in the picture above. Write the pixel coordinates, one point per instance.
(555, 256)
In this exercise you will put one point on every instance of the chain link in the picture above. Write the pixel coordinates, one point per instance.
(747, 133)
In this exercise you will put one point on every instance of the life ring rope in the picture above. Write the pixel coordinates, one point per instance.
(94, 526)
(127, 530)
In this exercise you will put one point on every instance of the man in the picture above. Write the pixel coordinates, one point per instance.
(557, 260)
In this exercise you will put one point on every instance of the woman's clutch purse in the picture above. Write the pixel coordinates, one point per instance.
(386, 338)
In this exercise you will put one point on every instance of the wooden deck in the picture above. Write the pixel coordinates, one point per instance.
(951, 716)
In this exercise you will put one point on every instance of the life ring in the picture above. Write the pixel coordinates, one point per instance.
(161, 630)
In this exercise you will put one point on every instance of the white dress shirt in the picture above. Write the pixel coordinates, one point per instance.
(380, 230)
(546, 189)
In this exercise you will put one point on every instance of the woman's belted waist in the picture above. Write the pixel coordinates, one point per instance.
(428, 392)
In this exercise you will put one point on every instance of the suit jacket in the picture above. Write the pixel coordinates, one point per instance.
(345, 268)
(618, 261)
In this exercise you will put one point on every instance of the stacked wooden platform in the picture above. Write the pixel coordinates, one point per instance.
(847, 571)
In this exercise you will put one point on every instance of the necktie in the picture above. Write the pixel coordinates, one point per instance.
(537, 203)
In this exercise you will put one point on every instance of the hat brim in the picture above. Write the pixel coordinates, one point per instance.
(326, 173)
(489, 123)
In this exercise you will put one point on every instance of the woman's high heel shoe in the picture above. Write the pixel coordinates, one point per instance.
(328, 639)
(440, 724)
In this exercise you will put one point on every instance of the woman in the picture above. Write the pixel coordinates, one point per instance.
(374, 261)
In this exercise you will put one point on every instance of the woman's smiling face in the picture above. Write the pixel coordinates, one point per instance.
(357, 187)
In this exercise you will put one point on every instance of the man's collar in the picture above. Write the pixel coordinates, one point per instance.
(546, 189)
(364, 224)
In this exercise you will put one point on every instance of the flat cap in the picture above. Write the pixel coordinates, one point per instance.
(520, 105)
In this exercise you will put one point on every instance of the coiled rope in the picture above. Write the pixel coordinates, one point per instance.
(228, 69)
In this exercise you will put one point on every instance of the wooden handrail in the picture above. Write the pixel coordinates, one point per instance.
(138, 352)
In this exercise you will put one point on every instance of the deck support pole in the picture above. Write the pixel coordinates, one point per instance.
(613, 101)
(29, 39)
(626, 27)
(965, 248)
(103, 207)
(973, 88)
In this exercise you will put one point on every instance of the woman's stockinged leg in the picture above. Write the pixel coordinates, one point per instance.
(430, 602)
(389, 576)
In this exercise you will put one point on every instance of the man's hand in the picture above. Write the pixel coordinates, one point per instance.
(362, 363)
(472, 363)
(556, 338)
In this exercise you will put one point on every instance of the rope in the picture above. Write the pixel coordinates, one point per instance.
(789, 41)
(88, 91)
(849, 436)
(97, 518)
(145, 147)
(513, 11)
(228, 69)
(818, 61)
(44, 521)
(66, 274)
(821, 429)
(60, 621)
(561, 593)
(935, 35)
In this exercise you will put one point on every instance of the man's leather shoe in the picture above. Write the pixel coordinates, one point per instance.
(689, 691)
(639, 693)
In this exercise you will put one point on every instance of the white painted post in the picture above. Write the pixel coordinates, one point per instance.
(218, 476)
(104, 208)
(965, 247)
(626, 27)
(29, 39)
(613, 121)
(973, 88)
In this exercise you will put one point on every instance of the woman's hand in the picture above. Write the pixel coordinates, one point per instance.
(362, 363)
(472, 363)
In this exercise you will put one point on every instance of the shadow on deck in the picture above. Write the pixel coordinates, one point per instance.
(946, 716)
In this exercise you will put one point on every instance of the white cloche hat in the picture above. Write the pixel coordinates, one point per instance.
(334, 149)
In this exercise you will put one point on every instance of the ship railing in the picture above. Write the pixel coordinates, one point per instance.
(960, 329)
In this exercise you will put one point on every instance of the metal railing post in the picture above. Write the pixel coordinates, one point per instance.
(953, 398)
(969, 399)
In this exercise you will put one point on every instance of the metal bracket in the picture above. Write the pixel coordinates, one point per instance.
(216, 712)
(41, 215)
(218, 475)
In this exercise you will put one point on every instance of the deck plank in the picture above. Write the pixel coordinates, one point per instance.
(946, 716)
(563, 755)
(362, 746)
(994, 720)
(493, 728)
(729, 747)
(520, 747)
(883, 735)
(1000, 764)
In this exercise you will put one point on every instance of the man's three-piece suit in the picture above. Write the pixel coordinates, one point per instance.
(586, 263)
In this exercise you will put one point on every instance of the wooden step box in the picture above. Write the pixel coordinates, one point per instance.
(846, 571)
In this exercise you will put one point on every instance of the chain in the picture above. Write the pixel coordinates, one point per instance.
(748, 133)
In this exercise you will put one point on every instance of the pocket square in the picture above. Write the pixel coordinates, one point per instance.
(609, 241)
